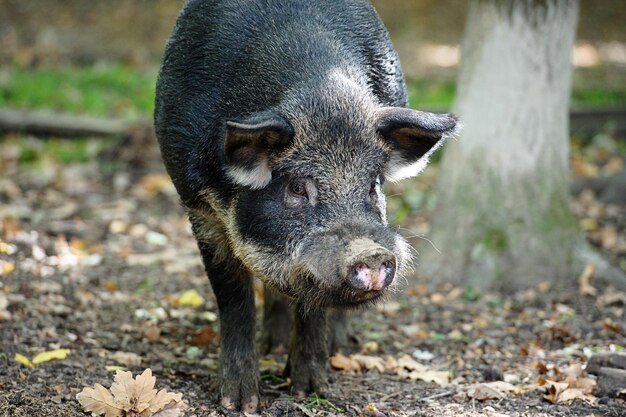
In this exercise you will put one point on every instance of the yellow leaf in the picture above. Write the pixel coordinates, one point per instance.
(24, 360)
(114, 368)
(588, 224)
(190, 298)
(267, 362)
(50, 355)
(8, 267)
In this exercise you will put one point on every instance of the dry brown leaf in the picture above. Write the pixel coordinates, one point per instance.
(173, 409)
(132, 397)
(492, 390)
(369, 362)
(411, 364)
(339, 361)
(610, 298)
(440, 378)
(571, 394)
(144, 389)
(391, 363)
(584, 280)
(555, 389)
(483, 392)
(123, 389)
(162, 399)
(126, 358)
(99, 400)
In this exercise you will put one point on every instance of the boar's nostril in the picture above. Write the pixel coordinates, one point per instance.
(389, 268)
(373, 272)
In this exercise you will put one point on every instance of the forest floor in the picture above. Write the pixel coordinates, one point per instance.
(97, 257)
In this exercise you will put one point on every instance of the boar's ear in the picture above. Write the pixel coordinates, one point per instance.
(249, 144)
(413, 135)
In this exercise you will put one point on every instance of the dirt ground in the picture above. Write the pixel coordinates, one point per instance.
(98, 258)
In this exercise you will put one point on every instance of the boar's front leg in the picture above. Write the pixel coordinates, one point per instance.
(308, 352)
(232, 285)
(276, 322)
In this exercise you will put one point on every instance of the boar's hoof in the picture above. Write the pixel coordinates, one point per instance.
(308, 378)
(240, 395)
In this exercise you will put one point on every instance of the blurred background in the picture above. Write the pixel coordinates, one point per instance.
(123, 40)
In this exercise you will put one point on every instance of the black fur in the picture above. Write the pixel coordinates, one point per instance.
(253, 95)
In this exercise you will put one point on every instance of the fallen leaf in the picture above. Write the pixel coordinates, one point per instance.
(4, 303)
(123, 389)
(173, 409)
(24, 360)
(370, 347)
(110, 285)
(584, 280)
(369, 362)
(613, 166)
(203, 336)
(610, 298)
(190, 298)
(99, 400)
(411, 364)
(588, 224)
(130, 397)
(154, 183)
(339, 361)
(162, 399)
(50, 355)
(126, 358)
(152, 333)
(7, 268)
(571, 394)
(440, 378)
(144, 389)
(483, 392)
(555, 389)
(491, 390)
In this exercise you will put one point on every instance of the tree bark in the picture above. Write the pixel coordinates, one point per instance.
(502, 218)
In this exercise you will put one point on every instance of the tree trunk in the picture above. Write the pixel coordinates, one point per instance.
(502, 217)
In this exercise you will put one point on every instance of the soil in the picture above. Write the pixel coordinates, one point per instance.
(94, 256)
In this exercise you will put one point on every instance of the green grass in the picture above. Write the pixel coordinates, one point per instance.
(32, 151)
(100, 90)
(440, 94)
(592, 97)
(123, 91)
(425, 94)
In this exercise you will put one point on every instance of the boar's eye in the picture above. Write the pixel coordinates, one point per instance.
(374, 185)
(299, 189)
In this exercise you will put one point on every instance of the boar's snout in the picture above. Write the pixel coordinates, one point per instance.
(370, 267)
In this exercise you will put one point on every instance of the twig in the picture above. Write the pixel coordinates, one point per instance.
(435, 396)
(394, 394)
(302, 408)
(44, 122)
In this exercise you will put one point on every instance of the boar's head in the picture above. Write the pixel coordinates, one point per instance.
(309, 216)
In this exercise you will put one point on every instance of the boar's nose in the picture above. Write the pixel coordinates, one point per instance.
(372, 270)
